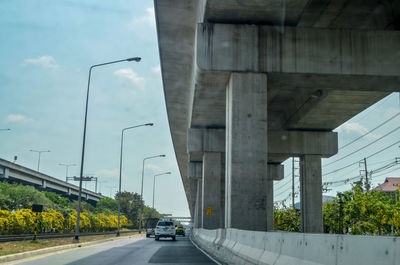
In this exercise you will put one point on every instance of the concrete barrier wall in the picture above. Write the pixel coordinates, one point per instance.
(233, 246)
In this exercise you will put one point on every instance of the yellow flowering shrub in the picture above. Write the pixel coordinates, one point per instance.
(4, 221)
(52, 221)
(24, 221)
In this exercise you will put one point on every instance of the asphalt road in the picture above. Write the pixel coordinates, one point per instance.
(127, 252)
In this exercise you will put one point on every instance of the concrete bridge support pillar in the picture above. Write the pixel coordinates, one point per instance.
(311, 194)
(206, 147)
(198, 220)
(6, 173)
(44, 184)
(195, 177)
(193, 194)
(248, 202)
(213, 190)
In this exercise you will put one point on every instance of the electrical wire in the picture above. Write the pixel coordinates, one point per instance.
(381, 169)
(349, 165)
(358, 150)
(380, 125)
(363, 115)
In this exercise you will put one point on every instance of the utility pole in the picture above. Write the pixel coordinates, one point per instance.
(293, 182)
(95, 188)
(341, 202)
(366, 175)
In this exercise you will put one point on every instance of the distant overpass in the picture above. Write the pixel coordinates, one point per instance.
(12, 172)
(181, 219)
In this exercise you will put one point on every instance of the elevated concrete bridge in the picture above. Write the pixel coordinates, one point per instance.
(16, 173)
(250, 83)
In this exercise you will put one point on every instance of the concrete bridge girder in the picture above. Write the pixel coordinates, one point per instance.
(321, 65)
(281, 144)
(252, 48)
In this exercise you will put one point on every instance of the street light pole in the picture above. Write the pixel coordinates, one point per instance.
(5, 129)
(154, 184)
(141, 192)
(136, 59)
(120, 169)
(66, 169)
(39, 152)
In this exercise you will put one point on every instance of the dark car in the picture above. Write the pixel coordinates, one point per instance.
(150, 226)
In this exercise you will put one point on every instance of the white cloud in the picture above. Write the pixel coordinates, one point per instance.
(152, 169)
(147, 19)
(156, 69)
(45, 61)
(354, 127)
(108, 173)
(132, 76)
(18, 118)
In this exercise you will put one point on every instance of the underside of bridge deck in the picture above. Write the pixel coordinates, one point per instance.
(249, 84)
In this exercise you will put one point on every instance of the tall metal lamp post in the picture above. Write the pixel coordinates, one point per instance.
(133, 59)
(39, 152)
(154, 183)
(66, 169)
(141, 192)
(120, 169)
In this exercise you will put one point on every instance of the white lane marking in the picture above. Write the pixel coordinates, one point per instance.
(205, 253)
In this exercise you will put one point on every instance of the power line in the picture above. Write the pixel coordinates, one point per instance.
(349, 165)
(364, 114)
(380, 125)
(381, 169)
(284, 191)
(380, 162)
(345, 174)
(285, 182)
(385, 167)
(395, 169)
(392, 131)
(282, 186)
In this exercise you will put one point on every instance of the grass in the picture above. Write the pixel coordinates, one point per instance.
(24, 246)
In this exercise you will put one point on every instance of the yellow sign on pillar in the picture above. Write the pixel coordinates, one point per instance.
(209, 211)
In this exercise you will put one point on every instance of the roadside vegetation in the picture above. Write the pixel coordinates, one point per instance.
(59, 215)
(353, 212)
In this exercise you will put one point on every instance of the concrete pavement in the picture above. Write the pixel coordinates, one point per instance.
(127, 251)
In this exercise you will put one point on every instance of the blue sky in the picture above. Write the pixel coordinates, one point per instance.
(47, 48)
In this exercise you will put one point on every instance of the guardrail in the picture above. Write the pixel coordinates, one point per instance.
(233, 246)
(24, 237)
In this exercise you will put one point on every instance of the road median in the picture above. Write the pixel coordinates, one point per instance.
(63, 246)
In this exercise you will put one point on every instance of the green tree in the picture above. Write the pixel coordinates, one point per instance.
(107, 206)
(17, 196)
(359, 212)
(287, 219)
(130, 204)
(85, 206)
(58, 201)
